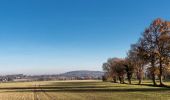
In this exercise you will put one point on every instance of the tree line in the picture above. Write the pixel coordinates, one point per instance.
(151, 55)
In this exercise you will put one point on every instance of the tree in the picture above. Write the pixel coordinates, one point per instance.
(115, 69)
(151, 52)
(163, 45)
(154, 47)
(136, 61)
(156, 44)
(108, 67)
(129, 68)
(119, 69)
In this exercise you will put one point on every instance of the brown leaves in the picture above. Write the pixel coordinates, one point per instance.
(158, 21)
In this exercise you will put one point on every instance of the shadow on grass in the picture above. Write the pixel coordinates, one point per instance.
(85, 89)
(151, 85)
(79, 87)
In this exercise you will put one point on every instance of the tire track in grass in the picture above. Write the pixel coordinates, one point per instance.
(28, 96)
(36, 97)
(46, 94)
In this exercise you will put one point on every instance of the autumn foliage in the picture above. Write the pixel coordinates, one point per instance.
(150, 55)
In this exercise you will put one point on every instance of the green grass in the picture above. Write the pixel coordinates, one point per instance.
(82, 90)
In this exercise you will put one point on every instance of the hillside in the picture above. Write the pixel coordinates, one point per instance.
(83, 73)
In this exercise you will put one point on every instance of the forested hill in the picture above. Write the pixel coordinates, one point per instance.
(83, 73)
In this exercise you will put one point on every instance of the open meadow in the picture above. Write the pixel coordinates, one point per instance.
(81, 90)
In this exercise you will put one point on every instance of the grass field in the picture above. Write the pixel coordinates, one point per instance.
(81, 90)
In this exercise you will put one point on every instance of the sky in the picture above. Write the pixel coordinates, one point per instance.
(56, 36)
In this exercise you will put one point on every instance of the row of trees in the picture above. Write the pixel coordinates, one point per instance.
(151, 53)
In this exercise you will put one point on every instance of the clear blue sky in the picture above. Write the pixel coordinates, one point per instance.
(55, 36)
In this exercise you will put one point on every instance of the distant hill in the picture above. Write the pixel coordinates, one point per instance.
(83, 73)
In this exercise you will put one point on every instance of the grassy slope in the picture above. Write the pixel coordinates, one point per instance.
(82, 90)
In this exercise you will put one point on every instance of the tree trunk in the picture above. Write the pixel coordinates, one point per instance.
(160, 75)
(139, 76)
(130, 81)
(153, 79)
(114, 79)
(140, 81)
(129, 78)
(120, 79)
(123, 81)
(153, 74)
